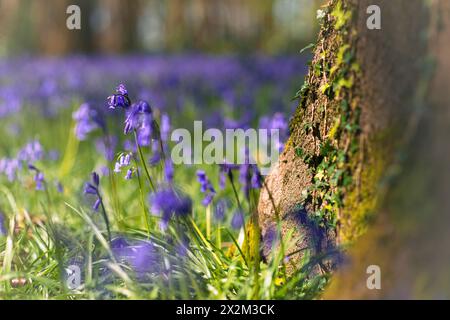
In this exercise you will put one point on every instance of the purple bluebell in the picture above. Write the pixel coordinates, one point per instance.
(237, 221)
(225, 171)
(144, 134)
(139, 118)
(168, 171)
(129, 146)
(131, 119)
(182, 247)
(123, 161)
(104, 171)
(59, 187)
(142, 256)
(10, 168)
(249, 175)
(53, 155)
(276, 122)
(38, 177)
(168, 203)
(107, 146)
(219, 212)
(129, 174)
(165, 127)
(3, 231)
(95, 178)
(85, 121)
(117, 167)
(257, 179)
(96, 204)
(156, 153)
(120, 98)
(121, 89)
(205, 187)
(31, 152)
(91, 188)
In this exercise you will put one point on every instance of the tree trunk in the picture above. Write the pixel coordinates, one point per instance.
(365, 167)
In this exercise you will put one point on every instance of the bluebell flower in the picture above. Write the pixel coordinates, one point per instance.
(120, 99)
(139, 118)
(91, 188)
(237, 221)
(225, 171)
(123, 161)
(219, 212)
(59, 187)
(129, 174)
(95, 178)
(129, 146)
(107, 146)
(53, 155)
(277, 122)
(168, 203)
(144, 134)
(9, 167)
(96, 204)
(257, 179)
(121, 89)
(182, 248)
(32, 152)
(3, 231)
(131, 119)
(142, 256)
(38, 177)
(165, 127)
(156, 153)
(205, 187)
(85, 118)
(168, 171)
(249, 175)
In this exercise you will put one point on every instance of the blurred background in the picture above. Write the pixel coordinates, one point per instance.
(156, 26)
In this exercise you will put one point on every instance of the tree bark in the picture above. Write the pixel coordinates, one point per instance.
(366, 165)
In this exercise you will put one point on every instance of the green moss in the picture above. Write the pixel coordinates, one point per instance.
(362, 198)
(341, 15)
(343, 190)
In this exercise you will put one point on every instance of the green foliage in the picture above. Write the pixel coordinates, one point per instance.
(48, 231)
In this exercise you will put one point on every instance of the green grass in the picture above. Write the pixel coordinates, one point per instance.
(47, 231)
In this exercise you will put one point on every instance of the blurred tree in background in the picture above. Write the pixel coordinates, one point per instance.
(119, 26)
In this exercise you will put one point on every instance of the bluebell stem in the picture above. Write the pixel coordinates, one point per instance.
(92, 188)
(139, 120)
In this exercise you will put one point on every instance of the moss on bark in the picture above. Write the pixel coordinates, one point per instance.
(356, 109)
